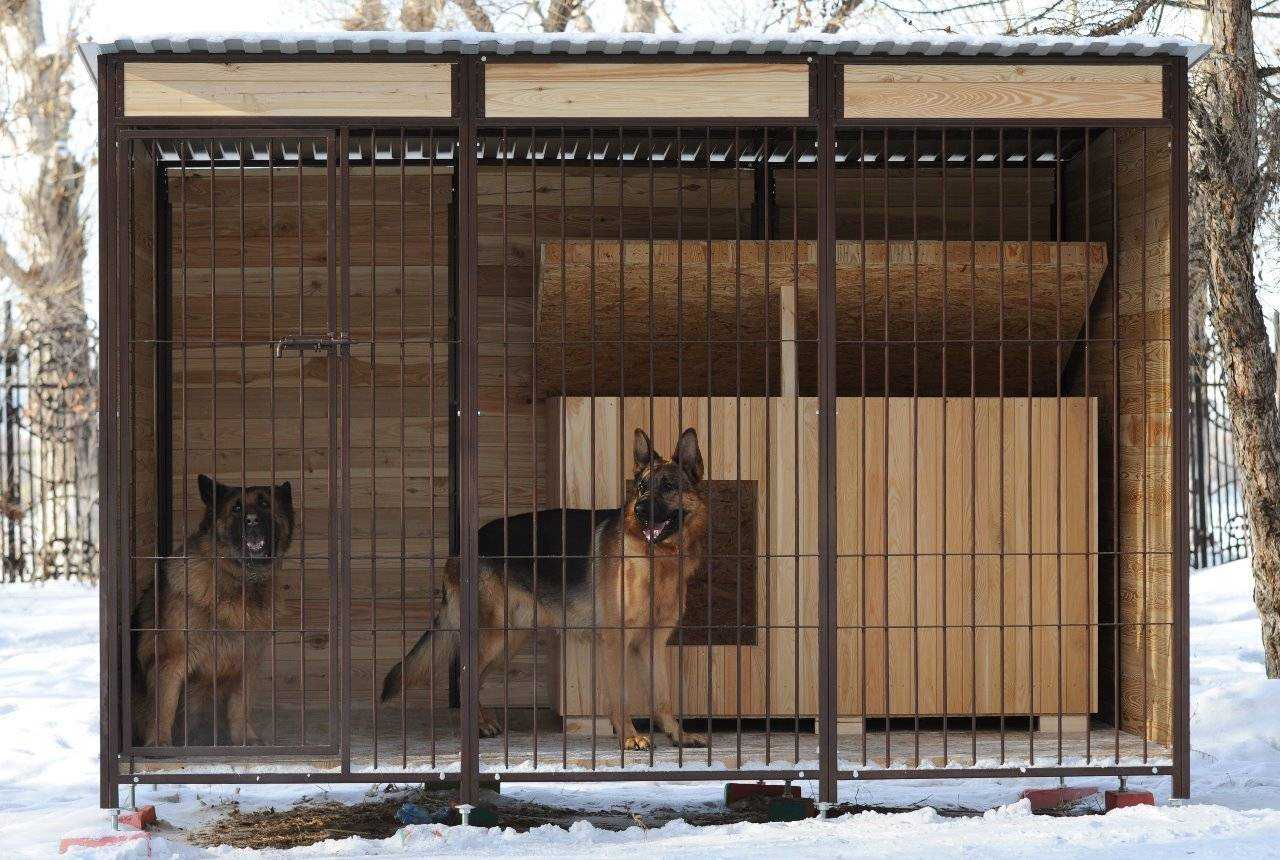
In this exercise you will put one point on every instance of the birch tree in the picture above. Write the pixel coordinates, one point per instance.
(42, 259)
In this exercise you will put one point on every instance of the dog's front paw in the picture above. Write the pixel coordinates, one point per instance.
(488, 727)
(689, 739)
(637, 742)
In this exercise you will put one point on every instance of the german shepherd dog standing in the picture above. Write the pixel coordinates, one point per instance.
(636, 562)
(224, 584)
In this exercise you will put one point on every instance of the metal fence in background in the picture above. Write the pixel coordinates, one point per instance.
(48, 450)
(1219, 519)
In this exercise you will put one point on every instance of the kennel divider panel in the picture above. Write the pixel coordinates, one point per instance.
(218, 257)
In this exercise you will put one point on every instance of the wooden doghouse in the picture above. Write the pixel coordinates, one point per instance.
(922, 303)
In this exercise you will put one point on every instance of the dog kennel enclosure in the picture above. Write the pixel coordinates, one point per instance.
(922, 302)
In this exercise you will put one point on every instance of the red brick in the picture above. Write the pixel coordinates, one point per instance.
(138, 819)
(1128, 797)
(1043, 799)
(100, 841)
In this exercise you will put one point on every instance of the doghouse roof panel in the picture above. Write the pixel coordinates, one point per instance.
(681, 44)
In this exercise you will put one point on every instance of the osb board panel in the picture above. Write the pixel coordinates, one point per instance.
(1025, 610)
(903, 202)
(369, 89)
(609, 322)
(1003, 91)
(646, 90)
(1118, 191)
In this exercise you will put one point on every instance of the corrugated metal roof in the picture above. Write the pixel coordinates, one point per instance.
(683, 44)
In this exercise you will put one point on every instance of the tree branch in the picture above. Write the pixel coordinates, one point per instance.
(840, 15)
(476, 16)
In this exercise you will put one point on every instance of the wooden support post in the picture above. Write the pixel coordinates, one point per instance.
(1067, 724)
(787, 370)
(583, 726)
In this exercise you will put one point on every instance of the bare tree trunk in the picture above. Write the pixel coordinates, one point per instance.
(420, 16)
(476, 15)
(1225, 141)
(367, 15)
(641, 17)
(45, 266)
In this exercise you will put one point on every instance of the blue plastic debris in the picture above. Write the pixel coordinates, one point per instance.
(411, 813)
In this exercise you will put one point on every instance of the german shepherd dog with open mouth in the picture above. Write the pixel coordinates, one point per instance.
(224, 584)
(636, 562)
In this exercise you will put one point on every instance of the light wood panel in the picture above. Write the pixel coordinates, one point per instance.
(1121, 195)
(1002, 91)
(646, 89)
(324, 88)
(966, 535)
(637, 317)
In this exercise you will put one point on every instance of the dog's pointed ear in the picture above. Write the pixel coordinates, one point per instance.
(643, 450)
(688, 456)
(207, 490)
(284, 492)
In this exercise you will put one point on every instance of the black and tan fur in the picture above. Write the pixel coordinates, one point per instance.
(618, 572)
(224, 583)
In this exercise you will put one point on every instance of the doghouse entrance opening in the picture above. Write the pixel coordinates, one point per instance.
(1000, 427)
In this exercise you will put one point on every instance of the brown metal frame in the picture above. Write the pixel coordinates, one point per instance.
(468, 121)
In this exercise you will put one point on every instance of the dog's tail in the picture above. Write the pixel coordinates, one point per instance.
(418, 662)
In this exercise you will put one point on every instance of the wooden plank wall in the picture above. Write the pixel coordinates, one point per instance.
(1130, 376)
(919, 495)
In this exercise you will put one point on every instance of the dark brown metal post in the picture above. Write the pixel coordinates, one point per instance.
(468, 405)
(827, 475)
(1178, 380)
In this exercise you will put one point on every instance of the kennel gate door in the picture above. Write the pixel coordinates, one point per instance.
(233, 368)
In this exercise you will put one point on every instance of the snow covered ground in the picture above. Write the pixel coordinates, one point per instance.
(49, 769)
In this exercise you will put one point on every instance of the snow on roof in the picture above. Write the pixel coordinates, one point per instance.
(683, 44)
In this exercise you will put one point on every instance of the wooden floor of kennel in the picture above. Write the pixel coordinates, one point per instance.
(875, 693)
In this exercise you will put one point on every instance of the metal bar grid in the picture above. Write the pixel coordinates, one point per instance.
(505, 463)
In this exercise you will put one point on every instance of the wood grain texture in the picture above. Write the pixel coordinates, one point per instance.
(1002, 91)
(288, 89)
(598, 302)
(1017, 623)
(1120, 194)
(646, 90)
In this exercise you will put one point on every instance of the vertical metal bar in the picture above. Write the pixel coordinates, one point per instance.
(944, 344)
(1117, 557)
(302, 441)
(1178, 380)
(403, 346)
(271, 379)
(884, 445)
(1030, 538)
(338, 166)
(373, 438)
(213, 399)
(827, 453)
(533, 427)
(709, 444)
(915, 447)
(113, 347)
(505, 155)
(244, 445)
(735, 162)
(1144, 621)
(1000, 419)
(468, 380)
